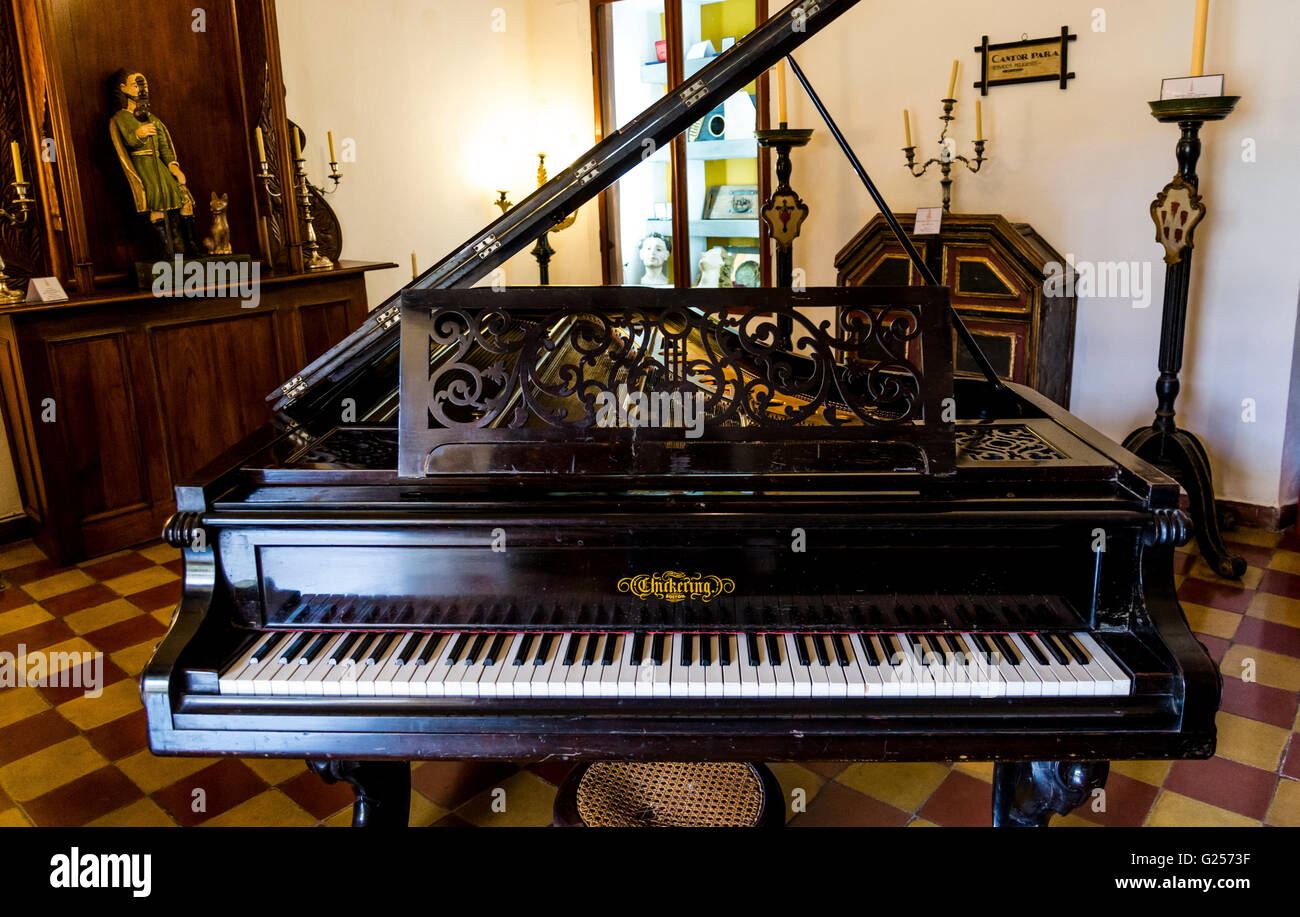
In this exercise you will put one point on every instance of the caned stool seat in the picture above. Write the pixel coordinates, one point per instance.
(669, 794)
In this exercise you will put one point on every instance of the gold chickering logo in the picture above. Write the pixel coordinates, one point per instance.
(675, 586)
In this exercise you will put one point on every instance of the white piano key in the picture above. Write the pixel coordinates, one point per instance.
(747, 669)
(543, 682)
(890, 685)
(661, 685)
(836, 681)
(766, 673)
(731, 681)
(1064, 677)
(920, 671)
(499, 682)
(1030, 668)
(697, 671)
(308, 680)
(228, 682)
(801, 676)
(1120, 682)
(1085, 685)
(782, 673)
(434, 672)
(412, 681)
(713, 675)
(983, 678)
(644, 669)
(386, 679)
(956, 665)
(574, 674)
(610, 674)
(857, 681)
(678, 673)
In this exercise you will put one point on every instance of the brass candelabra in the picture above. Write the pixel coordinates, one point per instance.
(947, 156)
(16, 211)
(312, 259)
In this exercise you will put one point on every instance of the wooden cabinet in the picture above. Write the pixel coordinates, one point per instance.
(997, 271)
(112, 399)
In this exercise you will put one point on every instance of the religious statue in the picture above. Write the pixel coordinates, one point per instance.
(654, 257)
(715, 268)
(148, 158)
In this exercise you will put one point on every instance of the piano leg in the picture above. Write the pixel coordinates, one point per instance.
(1026, 794)
(383, 790)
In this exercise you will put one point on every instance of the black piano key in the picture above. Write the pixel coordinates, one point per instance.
(379, 647)
(819, 649)
(751, 641)
(869, 649)
(312, 653)
(984, 645)
(359, 651)
(1034, 649)
(611, 649)
(657, 648)
(571, 651)
(893, 648)
(774, 654)
(458, 647)
(494, 650)
(842, 654)
(638, 647)
(724, 649)
(344, 647)
(801, 649)
(1054, 647)
(405, 649)
(1077, 649)
(288, 647)
(686, 648)
(706, 649)
(264, 645)
(544, 648)
(1008, 648)
(525, 645)
(476, 647)
(593, 641)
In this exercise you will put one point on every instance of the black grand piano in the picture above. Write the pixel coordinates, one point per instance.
(610, 523)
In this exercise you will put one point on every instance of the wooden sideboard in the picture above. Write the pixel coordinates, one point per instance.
(996, 271)
(110, 399)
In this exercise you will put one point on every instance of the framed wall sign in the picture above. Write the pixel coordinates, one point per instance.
(1030, 60)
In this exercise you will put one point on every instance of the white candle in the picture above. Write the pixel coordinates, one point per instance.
(1198, 37)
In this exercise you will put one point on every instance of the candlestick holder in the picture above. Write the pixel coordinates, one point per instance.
(313, 260)
(14, 212)
(1177, 210)
(947, 157)
(784, 212)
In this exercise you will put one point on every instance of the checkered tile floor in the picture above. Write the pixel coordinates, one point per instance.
(70, 760)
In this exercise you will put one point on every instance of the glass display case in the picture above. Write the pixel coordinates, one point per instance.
(696, 200)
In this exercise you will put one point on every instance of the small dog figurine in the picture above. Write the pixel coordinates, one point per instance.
(219, 242)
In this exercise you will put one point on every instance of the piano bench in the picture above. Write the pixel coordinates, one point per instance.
(669, 794)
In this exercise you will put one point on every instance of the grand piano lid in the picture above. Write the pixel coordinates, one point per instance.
(590, 174)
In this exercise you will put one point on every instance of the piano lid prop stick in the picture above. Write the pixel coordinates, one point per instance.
(962, 331)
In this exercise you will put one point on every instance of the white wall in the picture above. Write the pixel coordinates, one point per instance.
(1083, 166)
(428, 89)
(446, 102)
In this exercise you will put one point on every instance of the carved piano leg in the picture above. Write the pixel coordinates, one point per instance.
(383, 790)
(1026, 794)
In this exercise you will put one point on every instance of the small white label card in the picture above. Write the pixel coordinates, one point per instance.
(928, 221)
(1191, 87)
(45, 289)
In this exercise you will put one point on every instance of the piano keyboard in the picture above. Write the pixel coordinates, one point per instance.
(681, 665)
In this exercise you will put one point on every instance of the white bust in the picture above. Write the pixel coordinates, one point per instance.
(712, 263)
(654, 256)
